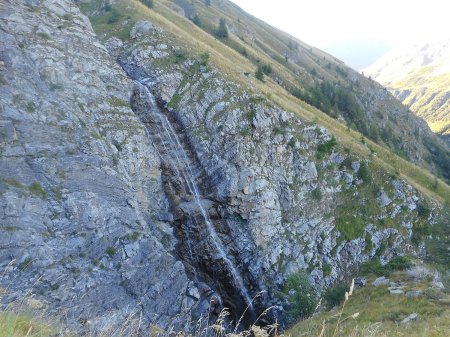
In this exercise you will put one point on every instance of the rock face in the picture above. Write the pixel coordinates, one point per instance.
(162, 187)
(274, 202)
(81, 185)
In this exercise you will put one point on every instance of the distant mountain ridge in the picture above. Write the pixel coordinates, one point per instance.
(420, 77)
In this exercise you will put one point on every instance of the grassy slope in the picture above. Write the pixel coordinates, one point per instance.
(426, 97)
(234, 66)
(380, 314)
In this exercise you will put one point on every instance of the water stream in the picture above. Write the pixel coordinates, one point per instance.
(174, 155)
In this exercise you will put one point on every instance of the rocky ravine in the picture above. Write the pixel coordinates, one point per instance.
(99, 221)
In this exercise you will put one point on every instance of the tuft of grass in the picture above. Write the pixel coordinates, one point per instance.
(117, 102)
(350, 226)
(37, 190)
(111, 251)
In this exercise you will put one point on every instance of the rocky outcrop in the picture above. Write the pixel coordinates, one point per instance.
(276, 197)
(83, 223)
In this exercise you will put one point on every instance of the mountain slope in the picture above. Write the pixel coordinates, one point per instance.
(419, 76)
(302, 70)
(155, 176)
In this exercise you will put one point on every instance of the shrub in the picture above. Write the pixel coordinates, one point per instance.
(420, 230)
(114, 16)
(197, 21)
(349, 225)
(373, 267)
(363, 172)
(423, 211)
(259, 74)
(222, 31)
(267, 69)
(148, 3)
(399, 263)
(111, 251)
(396, 264)
(317, 194)
(335, 295)
(204, 59)
(326, 269)
(179, 57)
(326, 148)
(301, 297)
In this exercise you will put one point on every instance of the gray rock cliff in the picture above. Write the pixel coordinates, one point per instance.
(82, 205)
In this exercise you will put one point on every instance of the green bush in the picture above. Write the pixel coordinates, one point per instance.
(335, 295)
(349, 225)
(423, 210)
(326, 269)
(222, 31)
(179, 57)
(419, 231)
(114, 16)
(259, 74)
(363, 172)
(197, 21)
(300, 295)
(204, 59)
(326, 148)
(317, 194)
(148, 3)
(374, 267)
(111, 251)
(399, 263)
(267, 69)
(396, 264)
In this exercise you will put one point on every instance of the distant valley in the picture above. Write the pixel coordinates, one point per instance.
(419, 76)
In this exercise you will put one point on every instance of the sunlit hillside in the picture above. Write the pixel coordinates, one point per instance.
(419, 76)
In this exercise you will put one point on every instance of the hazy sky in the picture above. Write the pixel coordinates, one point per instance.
(356, 31)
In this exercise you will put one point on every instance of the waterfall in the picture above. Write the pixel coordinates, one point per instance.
(174, 155)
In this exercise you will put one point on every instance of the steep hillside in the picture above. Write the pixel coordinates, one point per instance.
(419, 76)
(302, 70)
(145, 171)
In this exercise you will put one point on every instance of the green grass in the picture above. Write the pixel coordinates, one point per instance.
(380, 314)
(15, 325)
(37, 190)
(350, 226)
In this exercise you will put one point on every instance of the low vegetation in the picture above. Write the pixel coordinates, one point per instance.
(374, 266)
(373, 311)
(301, 297)
(21, 325)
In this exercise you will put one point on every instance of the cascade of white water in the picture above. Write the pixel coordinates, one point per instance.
(175, 155)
